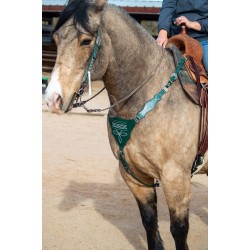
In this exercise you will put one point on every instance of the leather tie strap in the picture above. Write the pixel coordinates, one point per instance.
(203, 96)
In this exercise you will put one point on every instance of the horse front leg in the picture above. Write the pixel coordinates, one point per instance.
(178, 193)
(147, 202)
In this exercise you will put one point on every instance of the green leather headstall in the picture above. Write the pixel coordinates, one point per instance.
(122, 128)
(93, 56)
(86, 79)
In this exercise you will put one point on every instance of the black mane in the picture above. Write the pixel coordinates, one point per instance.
(78, 10)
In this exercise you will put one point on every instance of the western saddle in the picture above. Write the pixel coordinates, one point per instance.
(193, 78)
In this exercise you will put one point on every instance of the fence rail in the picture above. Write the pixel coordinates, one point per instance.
(48, 57)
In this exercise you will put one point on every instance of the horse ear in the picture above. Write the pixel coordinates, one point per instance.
(95, 12)
(99, 3)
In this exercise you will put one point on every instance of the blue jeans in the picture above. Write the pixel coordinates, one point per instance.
(204, 45)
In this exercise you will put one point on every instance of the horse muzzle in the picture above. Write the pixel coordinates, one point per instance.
(57, 105)
(54, 102)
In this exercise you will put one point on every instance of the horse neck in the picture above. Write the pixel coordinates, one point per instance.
(133, 55)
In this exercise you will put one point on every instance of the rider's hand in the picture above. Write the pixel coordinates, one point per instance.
(162, 38)
(189, 24)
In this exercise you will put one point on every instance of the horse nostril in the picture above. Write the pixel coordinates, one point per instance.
(57, 100)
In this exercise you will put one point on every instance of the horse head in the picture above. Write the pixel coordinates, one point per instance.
(75, 36)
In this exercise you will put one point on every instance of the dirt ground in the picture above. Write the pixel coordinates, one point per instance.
(86, 204)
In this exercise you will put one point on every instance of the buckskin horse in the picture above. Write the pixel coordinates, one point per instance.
(153, 126)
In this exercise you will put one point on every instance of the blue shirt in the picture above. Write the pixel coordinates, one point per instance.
(193, 10)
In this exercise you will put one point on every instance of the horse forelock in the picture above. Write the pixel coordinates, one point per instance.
(78, 10)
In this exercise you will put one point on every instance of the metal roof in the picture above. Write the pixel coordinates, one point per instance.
(122, 3)
(55, 2)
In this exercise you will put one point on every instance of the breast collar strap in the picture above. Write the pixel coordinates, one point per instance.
(122, 128)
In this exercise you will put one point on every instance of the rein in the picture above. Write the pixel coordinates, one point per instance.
(87, 78)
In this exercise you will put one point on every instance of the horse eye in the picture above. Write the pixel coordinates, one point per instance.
(85, 42)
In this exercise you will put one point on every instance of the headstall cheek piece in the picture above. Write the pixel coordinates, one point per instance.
(86, 79)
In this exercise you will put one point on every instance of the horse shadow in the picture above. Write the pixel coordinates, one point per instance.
(126, 210)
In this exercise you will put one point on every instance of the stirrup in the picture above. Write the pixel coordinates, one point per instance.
(197, 165)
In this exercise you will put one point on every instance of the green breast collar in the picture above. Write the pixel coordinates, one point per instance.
(122, 128)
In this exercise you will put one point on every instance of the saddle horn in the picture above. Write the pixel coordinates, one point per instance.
(183, 29)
